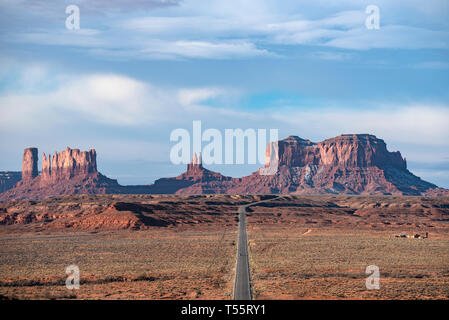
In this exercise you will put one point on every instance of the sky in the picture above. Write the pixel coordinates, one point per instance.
(137, 70)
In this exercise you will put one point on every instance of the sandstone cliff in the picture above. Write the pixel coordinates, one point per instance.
(29, 164)
(68, 172)
(68, 164)
(347, 164)
(357, 150)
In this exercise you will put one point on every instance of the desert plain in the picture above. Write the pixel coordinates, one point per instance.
(184, 247)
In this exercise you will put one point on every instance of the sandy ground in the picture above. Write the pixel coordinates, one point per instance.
(308, 252)
(150, 264)
(181, 247)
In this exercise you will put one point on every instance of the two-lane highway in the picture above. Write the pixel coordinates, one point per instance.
(242, 285)
(242, 288)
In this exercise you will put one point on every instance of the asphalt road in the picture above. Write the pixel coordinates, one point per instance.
(242, 285)
(242, 288)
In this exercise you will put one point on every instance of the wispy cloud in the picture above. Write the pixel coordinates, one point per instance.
(107, 104)
(188, 97)
(119, 100)
(390, 37)
(52, 7)
(203, 49)
(101, 98)
(418, 124)
(139, 47)
(219, 30)
(345, 29)
(104, 98)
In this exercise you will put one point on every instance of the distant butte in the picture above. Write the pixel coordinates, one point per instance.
(70, 172)
(357, 164)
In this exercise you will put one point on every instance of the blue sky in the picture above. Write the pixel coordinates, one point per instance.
(137, 70)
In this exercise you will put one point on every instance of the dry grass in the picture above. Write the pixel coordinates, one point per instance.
(127, 265)
(300, 247)
(331, 263)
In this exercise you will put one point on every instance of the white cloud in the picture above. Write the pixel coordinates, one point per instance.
(111, 103)
(191, 26)
(52, 7)
(104, 98)
(344, 29)
(109, 99)
(141, 47)
(415, 124)
(202, 49)
(223, 30)
(390, 37)
(187, 97)
(117, 100)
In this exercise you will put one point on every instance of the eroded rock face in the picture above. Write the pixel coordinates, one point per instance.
(29, 164)
(196, 180)
(196, 164)
(68, 164)
(357, 150)
(347, 164)
(68, 172)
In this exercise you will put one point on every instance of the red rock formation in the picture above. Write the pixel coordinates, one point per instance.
(46, 167)
(29, 164)
(68, 172)
(68, 164)
(196, 180)
(356, 150)
(347, 164)
(196, 164)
